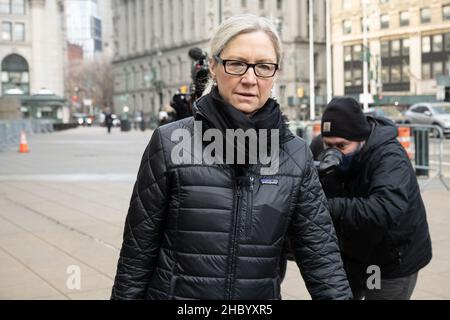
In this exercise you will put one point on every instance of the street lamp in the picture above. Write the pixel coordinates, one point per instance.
(365, 57)
(220, 12)
(328, 50)
(312, 93)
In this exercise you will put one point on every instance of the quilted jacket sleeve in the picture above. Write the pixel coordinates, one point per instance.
(143, 225)
(314, 240)
(387, 201)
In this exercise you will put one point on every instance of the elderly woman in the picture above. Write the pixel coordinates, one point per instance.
(217, 230)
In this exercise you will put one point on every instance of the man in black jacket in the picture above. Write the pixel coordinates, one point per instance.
(378, 212)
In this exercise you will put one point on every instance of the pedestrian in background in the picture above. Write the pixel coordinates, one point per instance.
(217, 231)
(375, 202)
(108, 120)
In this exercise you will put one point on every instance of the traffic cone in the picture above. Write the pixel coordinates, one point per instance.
(404, 137)
(23, 143)
(316, 129)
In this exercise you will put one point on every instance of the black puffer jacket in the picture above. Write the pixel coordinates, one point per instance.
(380, 218)
(197, 232)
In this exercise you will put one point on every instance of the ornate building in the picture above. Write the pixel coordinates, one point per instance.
(32, 46)
(408, 49)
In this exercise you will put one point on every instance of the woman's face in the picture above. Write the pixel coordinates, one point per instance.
(247, 93)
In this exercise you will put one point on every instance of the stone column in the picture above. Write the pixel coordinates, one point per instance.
(38, 65)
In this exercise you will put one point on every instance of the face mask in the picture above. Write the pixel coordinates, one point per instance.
(347, 159)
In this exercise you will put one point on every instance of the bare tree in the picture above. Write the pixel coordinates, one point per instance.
(90, 80)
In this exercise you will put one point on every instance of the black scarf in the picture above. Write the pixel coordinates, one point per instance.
(221, 115)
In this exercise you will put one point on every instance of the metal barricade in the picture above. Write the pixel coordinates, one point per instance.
(424, 145)
(10, 131)
(427, 153)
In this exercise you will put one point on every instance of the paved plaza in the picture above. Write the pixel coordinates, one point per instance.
(63, 205)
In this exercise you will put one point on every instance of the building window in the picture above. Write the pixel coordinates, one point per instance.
(348, 78)
(18, 7)
(357, 77)
(96, 28)
(353, 68)
(243, 3)
(282, 95)
(425, 15)
(447, 42)
(5, 6)
(404, 18)
(384, 74)
(347, 26)
(405, 73)
(347, 53)
(395, 65)
(405, 47)
(19, 32)
(385, 49)
(15, 74)
(384, 1)
(262, 4)
(446, 12)
(347, 4)
(426, 71)
(279, 4)
(435, 55)
(395, 48)
(12, 6)
(6, 31)
(98, 46)
(426, 45)
(437, 43)
(384, 21)
(395, 74)
(171, 23)
(438, 70)
(357, 54)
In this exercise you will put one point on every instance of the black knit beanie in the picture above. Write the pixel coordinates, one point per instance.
(344, 118)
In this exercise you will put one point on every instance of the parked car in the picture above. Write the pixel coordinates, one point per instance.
(431, 114)
(391, 112)
(79, 118)
(116, 120)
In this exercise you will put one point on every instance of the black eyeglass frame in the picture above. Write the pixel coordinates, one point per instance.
(249, 65)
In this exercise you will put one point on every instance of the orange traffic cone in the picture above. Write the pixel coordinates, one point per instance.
(316, 129)
(23, 142)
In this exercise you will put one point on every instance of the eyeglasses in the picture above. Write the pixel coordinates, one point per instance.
(239, 68)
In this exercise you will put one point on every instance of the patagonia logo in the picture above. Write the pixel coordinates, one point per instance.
(269, 181)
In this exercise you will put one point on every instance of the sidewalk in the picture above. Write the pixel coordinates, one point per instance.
(64, 205)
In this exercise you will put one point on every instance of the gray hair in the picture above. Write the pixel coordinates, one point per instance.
(242, 24)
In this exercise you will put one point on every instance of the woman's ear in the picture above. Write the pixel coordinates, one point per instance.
(212, 65)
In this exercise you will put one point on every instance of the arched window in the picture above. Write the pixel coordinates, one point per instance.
(182, 74)
(15, 74)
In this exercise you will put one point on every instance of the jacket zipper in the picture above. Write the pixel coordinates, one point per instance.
(233, 241)
(248, 221)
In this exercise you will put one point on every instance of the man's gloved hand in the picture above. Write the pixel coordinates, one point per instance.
(332, 185)
(329, 174)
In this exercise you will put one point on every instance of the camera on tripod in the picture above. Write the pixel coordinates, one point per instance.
(182, 101)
